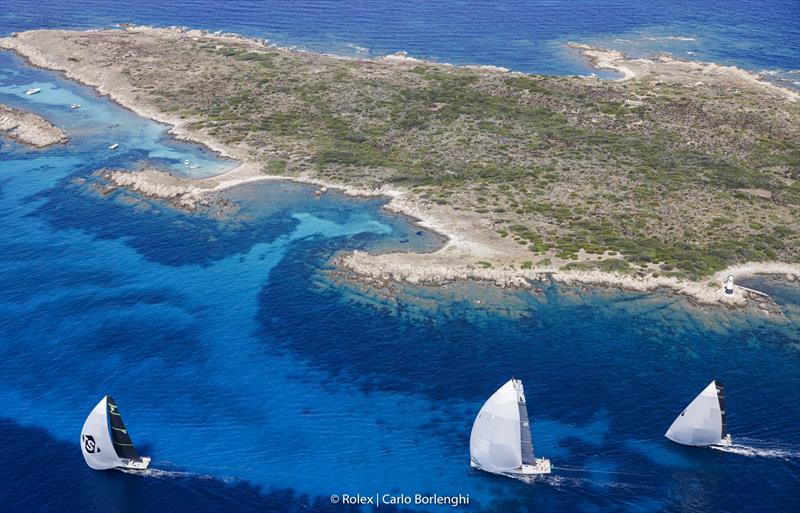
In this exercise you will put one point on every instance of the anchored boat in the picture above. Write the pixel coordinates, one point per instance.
(105, 442)
(32, 91)
(501, 441)
(702, 423)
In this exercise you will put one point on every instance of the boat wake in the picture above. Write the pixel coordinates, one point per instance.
(560, 481)
(165, 474)
(750, 451)
(597, 471)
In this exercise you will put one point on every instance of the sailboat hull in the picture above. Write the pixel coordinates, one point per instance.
(140, 464)
(725, 442)
(525, 472)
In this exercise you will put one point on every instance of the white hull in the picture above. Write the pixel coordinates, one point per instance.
(525, 472)
(140, 464)
(725, 442)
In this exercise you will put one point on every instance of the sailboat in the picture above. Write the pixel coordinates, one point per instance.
(105, 442)
(501, 441)
(702, 423)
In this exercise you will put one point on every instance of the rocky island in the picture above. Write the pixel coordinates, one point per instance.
(673, 176)
(29, 128)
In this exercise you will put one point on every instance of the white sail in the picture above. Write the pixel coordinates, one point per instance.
(495, 443)
(96, 445)
(703, 421)
(105, 442)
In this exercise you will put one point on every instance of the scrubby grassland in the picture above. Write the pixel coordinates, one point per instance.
(674, 177)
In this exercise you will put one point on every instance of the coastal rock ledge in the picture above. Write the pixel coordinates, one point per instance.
(180, 192)
(440, 267)
(29, 128)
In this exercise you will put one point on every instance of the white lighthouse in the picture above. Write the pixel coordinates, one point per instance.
(729, 285)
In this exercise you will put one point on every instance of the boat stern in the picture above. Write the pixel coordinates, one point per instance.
(140, 464)
(541, 466)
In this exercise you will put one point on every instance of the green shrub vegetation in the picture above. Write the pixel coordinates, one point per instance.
(691, 179)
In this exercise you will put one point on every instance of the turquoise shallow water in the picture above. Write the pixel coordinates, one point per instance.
(257, 383)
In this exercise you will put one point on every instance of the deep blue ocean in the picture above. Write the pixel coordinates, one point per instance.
(258, 380)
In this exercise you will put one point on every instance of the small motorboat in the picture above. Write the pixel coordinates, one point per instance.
(113, 146)
(32, 91)
(75, 106)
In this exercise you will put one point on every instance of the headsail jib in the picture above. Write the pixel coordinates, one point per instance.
(495, 441)
(703, 422)
(96, 444)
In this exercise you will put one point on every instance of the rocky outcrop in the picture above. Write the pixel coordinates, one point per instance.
(28, 128)
(180, 192)
(440, 268)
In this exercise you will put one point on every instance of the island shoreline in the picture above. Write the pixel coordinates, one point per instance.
(456, 260)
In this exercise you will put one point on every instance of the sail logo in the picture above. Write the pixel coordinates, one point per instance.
(89, 444)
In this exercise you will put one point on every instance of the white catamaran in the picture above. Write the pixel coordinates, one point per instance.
(501, 441)
(105, 442)
(702, 423)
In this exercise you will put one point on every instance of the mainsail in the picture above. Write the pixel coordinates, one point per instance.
(526, 438)
(105, 442)
(123, 445)
(501, 435)
(703, 421)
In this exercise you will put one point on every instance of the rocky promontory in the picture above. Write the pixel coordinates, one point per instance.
(182, 193)
(29, 128)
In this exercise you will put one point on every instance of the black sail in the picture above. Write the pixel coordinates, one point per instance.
(123, 445)
(721, 399)
(526, 440)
